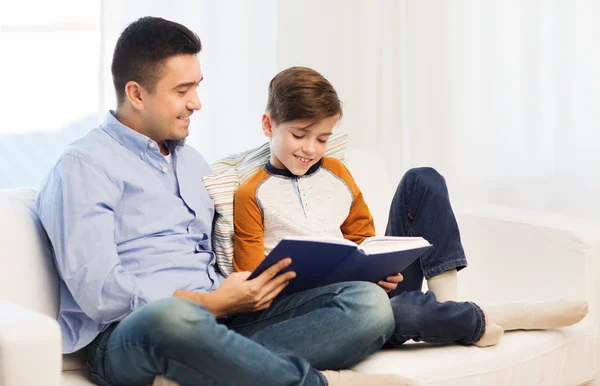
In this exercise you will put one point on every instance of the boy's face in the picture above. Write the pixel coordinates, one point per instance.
(298, 145)
(167, 109)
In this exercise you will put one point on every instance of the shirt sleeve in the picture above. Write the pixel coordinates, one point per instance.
(359, 224)
(76, 206)
(249, 247)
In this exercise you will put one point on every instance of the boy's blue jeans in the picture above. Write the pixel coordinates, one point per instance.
(331, 327)
(421, 207)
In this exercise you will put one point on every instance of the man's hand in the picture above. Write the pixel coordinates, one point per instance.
(237, 294)
(391, 282)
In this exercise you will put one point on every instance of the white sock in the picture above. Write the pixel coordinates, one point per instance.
(491, 336)
(353, 378)
(444, 286)
(159, 380)
(537, 316)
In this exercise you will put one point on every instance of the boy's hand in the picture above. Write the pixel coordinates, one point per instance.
(237, 294)
(391, 282)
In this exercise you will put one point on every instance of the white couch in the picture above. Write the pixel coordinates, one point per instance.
(514, 255)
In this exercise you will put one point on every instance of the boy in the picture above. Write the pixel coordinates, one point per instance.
(300, 192)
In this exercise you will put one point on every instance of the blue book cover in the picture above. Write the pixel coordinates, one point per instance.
(318, 262)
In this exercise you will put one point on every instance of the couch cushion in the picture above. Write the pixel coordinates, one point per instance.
(28, 276)
(556, 357)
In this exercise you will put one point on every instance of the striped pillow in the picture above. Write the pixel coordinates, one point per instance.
(228, 174)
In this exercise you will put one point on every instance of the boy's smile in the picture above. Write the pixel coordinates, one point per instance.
(298, 145)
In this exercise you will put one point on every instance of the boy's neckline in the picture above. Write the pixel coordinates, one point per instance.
(286, 173)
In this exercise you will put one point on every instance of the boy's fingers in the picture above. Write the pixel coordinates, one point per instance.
(395, 279)
(387, 285)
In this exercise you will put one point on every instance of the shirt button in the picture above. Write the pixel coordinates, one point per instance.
(165, 169)
(152, 145)
(141, 154)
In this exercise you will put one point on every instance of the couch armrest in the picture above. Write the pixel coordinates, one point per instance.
(30, 347)
(522, 255)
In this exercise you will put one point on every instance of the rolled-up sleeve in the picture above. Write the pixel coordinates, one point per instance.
(76, 207)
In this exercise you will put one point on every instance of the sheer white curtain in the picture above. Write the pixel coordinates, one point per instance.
(238, 60)
(502, 97)
(497, 95)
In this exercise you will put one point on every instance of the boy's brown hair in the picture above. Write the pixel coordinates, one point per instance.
(302, 93)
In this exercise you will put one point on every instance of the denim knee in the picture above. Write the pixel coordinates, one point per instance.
(172, 322)
(426, 176)
(372, 310)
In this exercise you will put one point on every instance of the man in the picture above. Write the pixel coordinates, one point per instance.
(130, 222)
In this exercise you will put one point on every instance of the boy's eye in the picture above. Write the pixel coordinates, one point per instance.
(298, 136)
(322, 140)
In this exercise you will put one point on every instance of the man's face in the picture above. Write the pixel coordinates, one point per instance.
(298, 145)
(168, 108)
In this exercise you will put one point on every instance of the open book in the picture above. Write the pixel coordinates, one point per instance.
(321, 261)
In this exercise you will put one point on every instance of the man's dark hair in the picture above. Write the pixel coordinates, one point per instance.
(142, 49)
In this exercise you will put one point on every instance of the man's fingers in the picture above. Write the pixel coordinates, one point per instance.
(242, 276)
(273, 270)
(282, 279)
(272, 295)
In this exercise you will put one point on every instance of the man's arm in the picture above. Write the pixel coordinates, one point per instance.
(76, 207)
(237, 294)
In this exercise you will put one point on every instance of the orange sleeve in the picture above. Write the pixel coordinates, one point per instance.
(248, 243)
(359, 224)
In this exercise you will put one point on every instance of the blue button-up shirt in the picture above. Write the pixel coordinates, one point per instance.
(126, 227)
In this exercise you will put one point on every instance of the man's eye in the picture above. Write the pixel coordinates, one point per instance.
(298, 136)
(181, 92)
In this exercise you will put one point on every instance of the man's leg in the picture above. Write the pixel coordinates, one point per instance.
(182, 341)
(421, 207)
(333, 327)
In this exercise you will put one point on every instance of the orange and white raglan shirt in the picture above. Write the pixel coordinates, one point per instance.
(275, 203)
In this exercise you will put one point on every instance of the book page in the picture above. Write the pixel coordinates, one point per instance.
(374, 245)
(324, 239)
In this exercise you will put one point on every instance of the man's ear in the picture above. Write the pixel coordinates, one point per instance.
(134, 92)
(267, 125)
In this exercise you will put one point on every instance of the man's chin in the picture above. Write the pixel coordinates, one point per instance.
(181, 134)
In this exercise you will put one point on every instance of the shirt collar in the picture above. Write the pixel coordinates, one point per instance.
(286, 173)
(136, 142)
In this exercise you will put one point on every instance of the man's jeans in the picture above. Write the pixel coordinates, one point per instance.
(331, 327)
(421, 207)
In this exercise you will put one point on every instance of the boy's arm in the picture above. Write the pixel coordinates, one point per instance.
(249, 248)
(359, 224)
(75, 206)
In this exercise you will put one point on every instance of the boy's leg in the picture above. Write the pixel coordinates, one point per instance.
(421, 207)
(421, 317)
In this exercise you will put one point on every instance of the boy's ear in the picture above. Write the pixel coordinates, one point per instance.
(267, 125)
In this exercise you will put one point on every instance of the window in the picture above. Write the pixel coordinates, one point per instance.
(50, 77)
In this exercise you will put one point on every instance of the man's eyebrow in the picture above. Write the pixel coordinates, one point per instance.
(188, 84)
